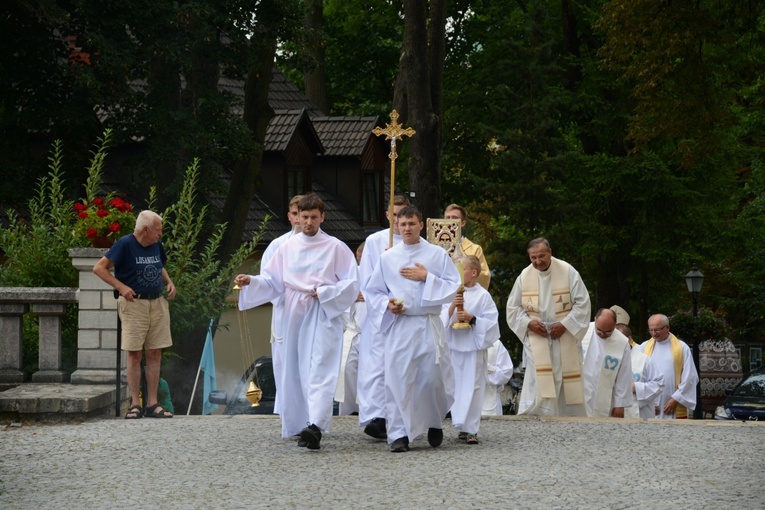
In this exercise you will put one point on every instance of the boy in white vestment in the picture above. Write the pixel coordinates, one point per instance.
(353, 318)
(607, 368)
(317, 275)
(371, 377)
(499, 371)
(647, 382)
(278, 302)
(404, 298)
(468, 347)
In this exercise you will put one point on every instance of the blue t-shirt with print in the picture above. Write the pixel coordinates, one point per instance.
(139, 267)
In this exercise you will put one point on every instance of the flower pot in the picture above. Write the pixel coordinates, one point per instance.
(102, 242)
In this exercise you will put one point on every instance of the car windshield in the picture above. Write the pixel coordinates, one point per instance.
(752, 386)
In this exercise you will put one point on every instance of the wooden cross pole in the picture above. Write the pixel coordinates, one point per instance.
(392, 132)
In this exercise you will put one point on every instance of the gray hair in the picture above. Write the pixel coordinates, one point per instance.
(538, 241)
(146, 219)
(664, 319)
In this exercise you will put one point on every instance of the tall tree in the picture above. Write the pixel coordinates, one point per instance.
(272, 20)
(418, 98)
(315, 78)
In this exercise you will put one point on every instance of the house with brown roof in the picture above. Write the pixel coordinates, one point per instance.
(339, 158)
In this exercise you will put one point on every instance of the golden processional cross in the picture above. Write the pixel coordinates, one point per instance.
(393, 131)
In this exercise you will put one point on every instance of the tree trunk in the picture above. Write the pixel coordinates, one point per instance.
(422, 60)
(257, 115)
(315, 78)
(164, 95)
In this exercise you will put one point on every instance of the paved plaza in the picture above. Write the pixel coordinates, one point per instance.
(241, 462)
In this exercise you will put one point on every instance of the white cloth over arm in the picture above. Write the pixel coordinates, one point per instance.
(648, 385)
(499, 370)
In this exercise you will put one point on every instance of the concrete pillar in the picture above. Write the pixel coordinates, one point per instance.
(11, 337)
(49, 365)
(97, 323)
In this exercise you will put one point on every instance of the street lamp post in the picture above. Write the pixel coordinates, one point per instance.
(694, 279)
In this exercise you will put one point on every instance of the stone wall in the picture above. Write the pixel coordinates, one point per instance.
(97, 323)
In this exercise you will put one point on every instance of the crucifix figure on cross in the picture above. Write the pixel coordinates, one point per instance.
(393, 131)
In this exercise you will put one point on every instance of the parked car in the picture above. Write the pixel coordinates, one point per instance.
(261, 371)
(746, 401)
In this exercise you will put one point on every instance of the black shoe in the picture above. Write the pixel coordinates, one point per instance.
(435, 437)
(400, 445)
(377, 429)
(312, 437)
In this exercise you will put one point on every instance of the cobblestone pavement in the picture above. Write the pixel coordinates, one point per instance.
(241, 462)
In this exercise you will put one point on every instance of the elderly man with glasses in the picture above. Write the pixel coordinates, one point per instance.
(673, 358)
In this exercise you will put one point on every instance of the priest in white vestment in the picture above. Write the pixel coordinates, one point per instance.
(499, 371)
(278, 303)
(607, 368)
(318, 277)
(404, 298)
(468, 346)
(549, 310)
(371, 378)
(647, 382)
(673, 359)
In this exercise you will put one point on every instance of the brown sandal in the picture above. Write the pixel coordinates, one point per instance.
(156, 411)
(135, 412)
(472, 439)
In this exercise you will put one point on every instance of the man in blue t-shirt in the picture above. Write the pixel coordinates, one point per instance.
(138, 260)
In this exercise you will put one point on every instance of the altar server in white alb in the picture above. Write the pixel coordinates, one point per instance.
(278, 303)
(673, 358)
(353, 318)
(549, 310)
(404, 298)
(468, 346)
(499, 371)
(607, 368)
(647, 382)
(317, 274)
(371, 378)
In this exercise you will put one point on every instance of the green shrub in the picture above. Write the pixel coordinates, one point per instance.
(708, 325)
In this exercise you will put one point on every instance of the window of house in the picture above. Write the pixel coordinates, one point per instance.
(371, 197)
(297, 181)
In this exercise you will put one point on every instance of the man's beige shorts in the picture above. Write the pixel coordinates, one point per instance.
(145, 324)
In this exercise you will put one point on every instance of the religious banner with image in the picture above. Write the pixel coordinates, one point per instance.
(445, 233)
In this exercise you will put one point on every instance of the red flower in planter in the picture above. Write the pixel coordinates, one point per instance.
(102, 218)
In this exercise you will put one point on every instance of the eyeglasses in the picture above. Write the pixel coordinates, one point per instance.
(656, 330)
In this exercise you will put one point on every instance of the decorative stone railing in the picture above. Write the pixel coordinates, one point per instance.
(97, 356)
(49, 304)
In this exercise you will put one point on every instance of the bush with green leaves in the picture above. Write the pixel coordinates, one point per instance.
(36, 253)
(709, 325)
(202, 281)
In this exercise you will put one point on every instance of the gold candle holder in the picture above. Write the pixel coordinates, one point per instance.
(461, 292)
